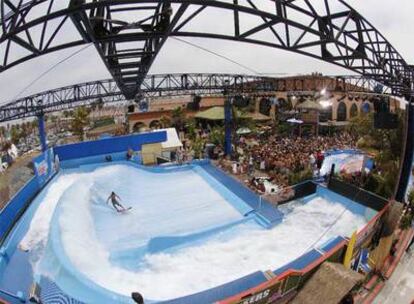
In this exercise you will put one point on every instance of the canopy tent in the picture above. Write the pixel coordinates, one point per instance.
(309, 105)
(295, 121)
(214, 113)
(217, 114)
(172, 142)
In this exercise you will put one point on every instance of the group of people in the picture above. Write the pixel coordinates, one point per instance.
(280, 157)
(184, 155)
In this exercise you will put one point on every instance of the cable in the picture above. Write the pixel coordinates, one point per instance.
(333, 223)
(327, 230)
(49, 70)
(217, 54)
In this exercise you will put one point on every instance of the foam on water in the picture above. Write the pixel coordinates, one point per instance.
(84, 223)
(38, 231)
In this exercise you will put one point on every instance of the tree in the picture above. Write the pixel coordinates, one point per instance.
(54, 119)
(239, 120)
(15, 134)
(34, 126)
(197, 147)
(217, 136)
(386, 146)
(2, 131)
(80, 121)
(25, 131)
(178, 118)
(190, 127)
(165, 122)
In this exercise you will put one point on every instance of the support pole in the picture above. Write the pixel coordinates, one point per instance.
(42, 131)
(408, 150)
(228, 126)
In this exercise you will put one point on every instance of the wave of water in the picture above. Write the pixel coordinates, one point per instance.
(91, 230)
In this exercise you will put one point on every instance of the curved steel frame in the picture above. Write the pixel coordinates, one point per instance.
(128, 45)
(328, 30)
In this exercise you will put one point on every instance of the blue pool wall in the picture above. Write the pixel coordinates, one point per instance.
(15, 269)
(353, 193)
(17, 205)
(106, 146)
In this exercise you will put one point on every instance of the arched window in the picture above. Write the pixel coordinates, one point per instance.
(341, 112)
(138, 127)
(155, 124)
(265, 106)
(366, 107)
(354, 110)
(284, 105)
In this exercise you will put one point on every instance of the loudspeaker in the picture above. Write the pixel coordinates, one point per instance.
(381, 105)
(195, 104)
(385, 121)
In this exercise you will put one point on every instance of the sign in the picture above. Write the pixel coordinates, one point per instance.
(45, 166)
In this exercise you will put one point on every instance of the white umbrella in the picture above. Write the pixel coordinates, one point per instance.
(295, 121)
(242, 131)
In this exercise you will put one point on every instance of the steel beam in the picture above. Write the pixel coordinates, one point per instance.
(333, 32)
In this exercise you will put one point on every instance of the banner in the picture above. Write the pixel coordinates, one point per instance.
(45, 166)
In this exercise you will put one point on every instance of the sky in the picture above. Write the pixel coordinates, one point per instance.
(392, 18)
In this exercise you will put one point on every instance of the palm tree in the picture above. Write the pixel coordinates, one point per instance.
(178, 118)
(80, 121)
(2, 132)
(165, 121)
(15, 134)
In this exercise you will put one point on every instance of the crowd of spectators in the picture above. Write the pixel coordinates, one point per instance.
(282, 157)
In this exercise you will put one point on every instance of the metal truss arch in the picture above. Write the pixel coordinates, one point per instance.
(165, 85)
(129, 34)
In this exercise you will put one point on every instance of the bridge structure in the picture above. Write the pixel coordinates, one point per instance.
(165, 85)
(128, 35)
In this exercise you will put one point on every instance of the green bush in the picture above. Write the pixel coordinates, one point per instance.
(405, 222)
(103, 122)
(296, 178)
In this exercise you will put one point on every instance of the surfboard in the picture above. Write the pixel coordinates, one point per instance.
(127, 209)
(350, 250)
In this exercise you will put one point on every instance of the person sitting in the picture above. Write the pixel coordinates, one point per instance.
(129, 154)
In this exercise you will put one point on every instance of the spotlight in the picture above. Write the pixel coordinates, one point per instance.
(325, 103)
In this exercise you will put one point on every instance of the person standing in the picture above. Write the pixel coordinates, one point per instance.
(251, 165)
(115, 202)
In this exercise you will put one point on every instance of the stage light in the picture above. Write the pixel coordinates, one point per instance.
(325, 103)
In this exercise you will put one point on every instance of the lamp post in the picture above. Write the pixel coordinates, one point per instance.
(227, 120)
(41, 127)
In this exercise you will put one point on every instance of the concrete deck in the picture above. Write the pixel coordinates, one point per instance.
(399, 289)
